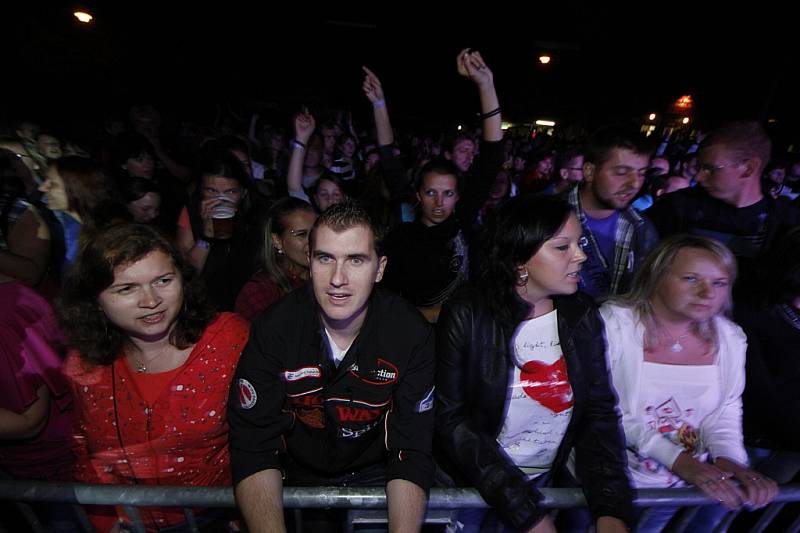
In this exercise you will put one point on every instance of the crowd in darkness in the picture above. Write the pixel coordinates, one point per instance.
(295, 298)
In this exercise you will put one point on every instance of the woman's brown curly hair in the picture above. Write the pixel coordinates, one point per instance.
(98, 340)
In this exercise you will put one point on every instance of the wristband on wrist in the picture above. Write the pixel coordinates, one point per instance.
(379, 103)
(493, 112)
(200, 243)
(298, 144)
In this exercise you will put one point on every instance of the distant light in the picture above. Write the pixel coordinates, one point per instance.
(84, 17)
(545, 123)
(459, 127)
(772, 120)
(684, 102)
(652, 116)
(505, 125)
(544, 59)
(685, 120)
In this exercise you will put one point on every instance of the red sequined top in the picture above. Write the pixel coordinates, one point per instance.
(181, 438)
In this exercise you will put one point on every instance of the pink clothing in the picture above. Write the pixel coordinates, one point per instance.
(30, 356)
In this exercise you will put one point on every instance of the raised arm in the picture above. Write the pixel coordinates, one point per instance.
(490, 160)
(373, 90)
(303, 128)
(471, 65)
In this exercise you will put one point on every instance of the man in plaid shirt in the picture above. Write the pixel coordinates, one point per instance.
(615, 237)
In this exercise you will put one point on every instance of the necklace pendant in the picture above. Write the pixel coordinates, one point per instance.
(140, 367)
(677, 347)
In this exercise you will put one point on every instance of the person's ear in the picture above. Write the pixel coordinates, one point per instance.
(277, 243)
(382, 260)
(588, 172)
(752, 167)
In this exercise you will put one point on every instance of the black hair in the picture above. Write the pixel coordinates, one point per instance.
(520, 228)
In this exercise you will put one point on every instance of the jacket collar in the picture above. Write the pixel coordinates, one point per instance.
(571, 308)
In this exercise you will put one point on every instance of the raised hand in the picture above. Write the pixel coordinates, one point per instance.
(372, 86)
(304, 125)
(471, 65)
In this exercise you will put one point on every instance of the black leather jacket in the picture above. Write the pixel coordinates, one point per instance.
(472, 379)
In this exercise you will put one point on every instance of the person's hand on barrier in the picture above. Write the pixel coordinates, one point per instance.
(545, 525)
(758, 488)
(713, 480)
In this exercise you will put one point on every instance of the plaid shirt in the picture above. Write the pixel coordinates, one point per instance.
(633, 238)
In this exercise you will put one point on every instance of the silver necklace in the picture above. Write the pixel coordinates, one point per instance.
(676, 345)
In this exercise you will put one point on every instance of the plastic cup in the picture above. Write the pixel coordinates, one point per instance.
(222, 219)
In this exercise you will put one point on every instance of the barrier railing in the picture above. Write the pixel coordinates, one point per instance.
(364, 498)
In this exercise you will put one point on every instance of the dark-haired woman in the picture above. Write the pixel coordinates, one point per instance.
(224, 253)
(150, 365)
(522, 379)
(142, 199)
(285, 257)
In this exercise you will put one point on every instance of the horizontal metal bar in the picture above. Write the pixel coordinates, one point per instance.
(321, 497)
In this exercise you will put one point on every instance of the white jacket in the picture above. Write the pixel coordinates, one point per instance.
(720, 431)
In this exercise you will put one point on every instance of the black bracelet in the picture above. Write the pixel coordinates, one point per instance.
(493, 112)
(299, 143)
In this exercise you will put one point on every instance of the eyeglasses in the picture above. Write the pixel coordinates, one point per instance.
(711, 169)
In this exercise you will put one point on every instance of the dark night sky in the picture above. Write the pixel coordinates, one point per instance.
(614, 64)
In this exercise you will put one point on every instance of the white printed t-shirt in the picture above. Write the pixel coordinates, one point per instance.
(674, 400)
(540, 396)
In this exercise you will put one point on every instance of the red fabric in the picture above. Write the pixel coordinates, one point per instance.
(259, 293)
(183, 219)
(180, 439)
(150, 386)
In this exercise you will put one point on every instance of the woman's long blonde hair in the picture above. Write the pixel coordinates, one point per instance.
(655, 268)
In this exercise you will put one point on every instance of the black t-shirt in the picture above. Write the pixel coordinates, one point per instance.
(748, 231)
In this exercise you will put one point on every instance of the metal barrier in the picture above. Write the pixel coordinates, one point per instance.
(365, 498)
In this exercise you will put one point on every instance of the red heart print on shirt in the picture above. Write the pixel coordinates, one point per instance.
(547, 384)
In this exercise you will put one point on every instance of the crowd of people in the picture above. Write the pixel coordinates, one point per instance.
(261, 305)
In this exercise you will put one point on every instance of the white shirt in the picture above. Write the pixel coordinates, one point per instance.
(674, 400)
(540, 397)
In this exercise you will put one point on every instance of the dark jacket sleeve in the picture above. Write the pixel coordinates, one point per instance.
(257, 420)
(409, 425)
(400, 189)
(479, 184)
(600, 442)
(476, 453)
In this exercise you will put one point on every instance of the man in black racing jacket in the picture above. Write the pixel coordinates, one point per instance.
(335, 386)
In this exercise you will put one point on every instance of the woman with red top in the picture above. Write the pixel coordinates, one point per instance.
(284, 260)
(150, 366)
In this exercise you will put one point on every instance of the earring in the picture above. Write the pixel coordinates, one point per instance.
(522, 278)
(279, 250)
